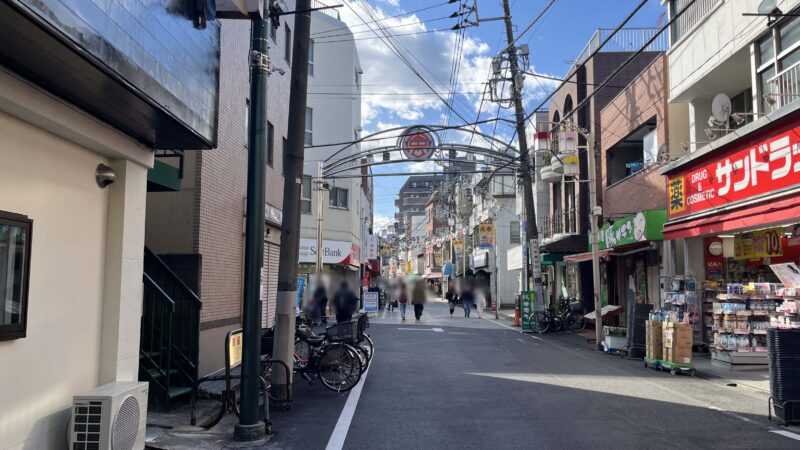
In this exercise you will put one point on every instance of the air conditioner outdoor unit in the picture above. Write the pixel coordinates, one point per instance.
(110, 417)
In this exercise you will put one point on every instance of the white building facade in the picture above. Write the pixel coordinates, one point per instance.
(333, 115)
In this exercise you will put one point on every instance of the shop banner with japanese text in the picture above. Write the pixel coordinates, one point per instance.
(755, 167)
(458, 247)
(486, 236)
(758, 244)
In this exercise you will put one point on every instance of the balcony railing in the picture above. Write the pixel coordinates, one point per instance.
(625, 40)
(693, 15)
(333, 12)
(784, 88)
(560, 222)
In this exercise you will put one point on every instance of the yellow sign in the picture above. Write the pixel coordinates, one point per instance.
(408, 267)
(758, 244)
(486, 236)
(458, 248)
(235, 348)
(677, 195)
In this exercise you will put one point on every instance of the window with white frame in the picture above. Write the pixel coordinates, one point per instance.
(338, 198)
(305, 195)
(309, 126)
(504, 185)
(514, 232)
(778, 65)
(311, 58)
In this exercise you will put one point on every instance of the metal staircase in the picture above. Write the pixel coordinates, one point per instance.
(170, 333)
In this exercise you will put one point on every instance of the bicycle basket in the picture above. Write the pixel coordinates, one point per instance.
(343, 332)
(576, 306)
(363, 324)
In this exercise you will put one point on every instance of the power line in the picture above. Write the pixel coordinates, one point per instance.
(442, 30)
(385, 18)
(410, 24)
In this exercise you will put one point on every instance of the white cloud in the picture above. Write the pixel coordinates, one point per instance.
(379, 221)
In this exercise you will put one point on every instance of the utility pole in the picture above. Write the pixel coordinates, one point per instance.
(531, 246)
(594, 239)
(292, 185)
(250, 426)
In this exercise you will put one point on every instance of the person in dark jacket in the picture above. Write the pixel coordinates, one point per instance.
(345, 302)
(468, 298)
(320, 298)
(451, 296)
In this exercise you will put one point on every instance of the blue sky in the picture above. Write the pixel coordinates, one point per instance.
(394, 96)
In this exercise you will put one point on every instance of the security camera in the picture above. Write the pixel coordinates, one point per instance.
(280, 71)
(104, 176)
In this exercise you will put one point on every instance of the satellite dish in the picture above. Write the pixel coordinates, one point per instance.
(767, 7)
(721, 108)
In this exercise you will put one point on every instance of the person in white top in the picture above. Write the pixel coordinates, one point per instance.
(480, 301)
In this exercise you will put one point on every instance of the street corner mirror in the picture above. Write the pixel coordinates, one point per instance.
(104, 176)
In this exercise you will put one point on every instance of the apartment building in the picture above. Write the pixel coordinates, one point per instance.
(197, 228)
(566, 225)
(82, 108)
(333, 116)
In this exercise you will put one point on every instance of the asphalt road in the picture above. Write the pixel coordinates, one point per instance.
(454, 383)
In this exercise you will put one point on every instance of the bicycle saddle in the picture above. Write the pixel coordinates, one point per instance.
(316, 341)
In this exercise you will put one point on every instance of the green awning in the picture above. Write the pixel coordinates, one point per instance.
(640, 227)
(548, 259)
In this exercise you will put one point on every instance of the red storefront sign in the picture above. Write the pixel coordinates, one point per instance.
(756, 167)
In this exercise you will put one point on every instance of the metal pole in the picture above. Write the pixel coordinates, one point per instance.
(531, 230)
(319, 187)
(250, 426)
(292, 185)
(594, 239)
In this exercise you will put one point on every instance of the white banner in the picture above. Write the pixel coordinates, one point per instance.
(333, 252)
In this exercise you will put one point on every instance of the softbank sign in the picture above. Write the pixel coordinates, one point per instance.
(333, 252)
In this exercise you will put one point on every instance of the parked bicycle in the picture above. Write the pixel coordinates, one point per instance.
(338, 365)
(569, 317)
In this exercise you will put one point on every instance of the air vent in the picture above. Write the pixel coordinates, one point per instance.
(126, 425)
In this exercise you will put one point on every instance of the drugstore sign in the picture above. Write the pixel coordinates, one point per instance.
(640, 227)
(756, 167)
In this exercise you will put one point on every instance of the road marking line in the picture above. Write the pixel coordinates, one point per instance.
(438, 330)
(788, 434)
(512, 328)
(336, 442)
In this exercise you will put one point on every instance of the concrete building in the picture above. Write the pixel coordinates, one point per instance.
(334, 116)
(411, 200)
(635, 143)
(71, 242)
(198, 230)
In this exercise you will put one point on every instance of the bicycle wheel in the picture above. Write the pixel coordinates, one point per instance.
(539, 322)
(367, 347)
(576, 323)
(339, 367)
(302, 354)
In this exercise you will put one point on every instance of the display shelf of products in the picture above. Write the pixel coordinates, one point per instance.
(743, 313)
(682, 297)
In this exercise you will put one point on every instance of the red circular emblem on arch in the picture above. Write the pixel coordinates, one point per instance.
(417, 143)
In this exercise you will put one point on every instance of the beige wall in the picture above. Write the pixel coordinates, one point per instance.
(85, 277)
(52, 182)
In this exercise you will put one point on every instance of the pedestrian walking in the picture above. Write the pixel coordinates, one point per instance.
(320, 303)
(480, 302)
(402, 300)
(418, 298)
(345, 302)
(467, 299)
(451, 296)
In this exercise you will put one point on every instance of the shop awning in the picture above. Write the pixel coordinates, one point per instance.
(581, 257)
(776, 212)
(548, 259)
(433, 276)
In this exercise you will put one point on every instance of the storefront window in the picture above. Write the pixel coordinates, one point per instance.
(15, 248)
